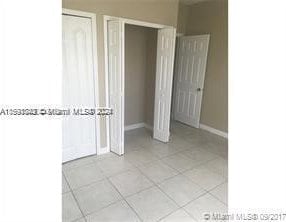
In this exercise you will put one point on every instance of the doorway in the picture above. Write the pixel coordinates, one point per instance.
(115, 74)
(140, 78)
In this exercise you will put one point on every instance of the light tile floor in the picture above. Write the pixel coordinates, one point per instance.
(174, 182)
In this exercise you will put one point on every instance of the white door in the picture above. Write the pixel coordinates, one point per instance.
(164, 79)
(189, 78)
(79, 133)
(115, 83)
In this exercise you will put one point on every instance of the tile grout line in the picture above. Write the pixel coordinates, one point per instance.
(123, 198)
(102, 208)
(137, 167)
(181, 151)
(126, 201)
(218, 199)
(71, 191)
(96, 211)
(156, 185)
(180, 173)
(179, 207)
(108, 205)
(215, 196)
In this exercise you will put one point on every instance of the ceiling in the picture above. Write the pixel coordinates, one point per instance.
(191, 2)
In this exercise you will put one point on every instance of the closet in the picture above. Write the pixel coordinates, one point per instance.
(140, 76)
(116, 60)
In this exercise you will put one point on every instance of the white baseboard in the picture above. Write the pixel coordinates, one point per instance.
(213, 130)
(138, 125)
(134, 126)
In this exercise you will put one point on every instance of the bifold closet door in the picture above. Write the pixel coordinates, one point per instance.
(164, 79)
(79, 132)
(115, 31)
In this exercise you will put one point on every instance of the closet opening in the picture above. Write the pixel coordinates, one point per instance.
(139, 57)
(140, 45)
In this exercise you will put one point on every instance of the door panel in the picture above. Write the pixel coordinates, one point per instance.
(164, 78)
(114, 39)
(190, 73)
(79, 133)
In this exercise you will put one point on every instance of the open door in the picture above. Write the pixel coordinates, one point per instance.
(115, 83)
(189, 82)
(164, 78)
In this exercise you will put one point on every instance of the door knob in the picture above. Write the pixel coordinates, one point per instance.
(199, 89)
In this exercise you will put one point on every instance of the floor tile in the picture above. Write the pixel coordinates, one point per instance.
(70, 210)
(195, 140)
(114, 165)
(218, 149)
(163, 150)
(80, 220)
(221, 192)
(130, 182)
(158, 171)
(83, 175)
(119, 212)
(140, 157)
(194, 152)
(199, 155)
(65, 186)
(180, 143)
(206, 204)
(204, 177)
(147, 141)
(219, 166)
(78, 162)
(96, 196)
(144, 139)
(178, 216)
(97, 158)
(131, 147)
(181, 189)
(151, 204)
(180, 162)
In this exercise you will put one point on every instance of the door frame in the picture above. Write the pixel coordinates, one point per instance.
(123, 22)
(92, 16)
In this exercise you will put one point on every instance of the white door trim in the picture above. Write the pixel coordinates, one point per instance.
(92, 16)
(136, 22)
(107, 122)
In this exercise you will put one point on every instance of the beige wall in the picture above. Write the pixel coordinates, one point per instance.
(135, 74)
(150, 76)
(212, 18)
(183, 18)
(206, 17)
(140, 72)
(156, 11)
